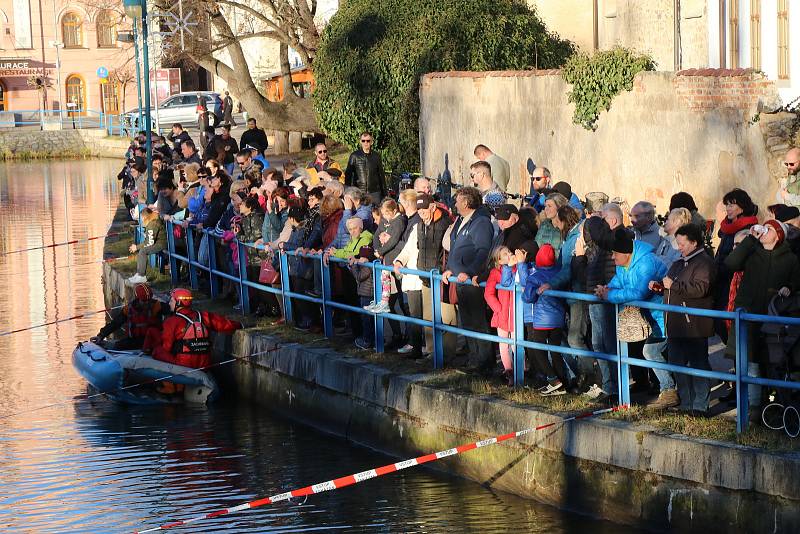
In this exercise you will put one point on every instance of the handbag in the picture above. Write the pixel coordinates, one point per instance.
(632, 325)
(267, 274)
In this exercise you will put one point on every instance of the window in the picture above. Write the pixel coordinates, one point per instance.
(72, 30)
(106, 30)
(109, 91)
(755, 34)
(3, 103)
(783, 39)
(76, 94)
(733, 32)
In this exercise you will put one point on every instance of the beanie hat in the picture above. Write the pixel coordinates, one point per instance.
(779, 228)
(786, 213)
(366, 252)
(564, 188)
(622, 242)
(682, 200)
(546, 257)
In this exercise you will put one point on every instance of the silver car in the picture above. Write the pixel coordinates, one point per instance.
(182, 108)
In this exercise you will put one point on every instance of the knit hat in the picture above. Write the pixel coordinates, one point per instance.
(297, 213)
(366, 252)
(779, 228)
(682, 200)
(622, 242)
(494, 199)
(564, 188)
(546, 257)
(504, 212)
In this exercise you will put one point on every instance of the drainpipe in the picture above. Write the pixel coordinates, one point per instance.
(677, 43)
(596, 25)
(722, 31)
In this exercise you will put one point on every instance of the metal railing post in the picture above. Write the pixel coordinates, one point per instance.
(211, 249)
(283, 261)
(519, 330)
(327, 311)
(438, 335)
(244, 293)
(173, 263)
(742, 388)
(190, 253)
(376, 279)
(623, 370)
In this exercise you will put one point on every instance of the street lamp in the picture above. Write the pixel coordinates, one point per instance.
(58, 46)
(133, 37)
(137, 11)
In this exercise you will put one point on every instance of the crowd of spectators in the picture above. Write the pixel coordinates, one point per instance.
(551, 239)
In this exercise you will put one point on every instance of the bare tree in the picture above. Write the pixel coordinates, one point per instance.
(123, 76)
(290, 22)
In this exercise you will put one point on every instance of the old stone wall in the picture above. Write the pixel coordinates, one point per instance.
(63, 142)
(693, 130)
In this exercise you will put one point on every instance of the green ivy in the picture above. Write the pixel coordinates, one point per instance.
(373, 54)
(597, 79)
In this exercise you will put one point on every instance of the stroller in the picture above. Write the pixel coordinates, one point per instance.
(783, 363)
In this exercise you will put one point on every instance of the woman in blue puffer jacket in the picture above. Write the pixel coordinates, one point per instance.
(548, 322)
(637, 265)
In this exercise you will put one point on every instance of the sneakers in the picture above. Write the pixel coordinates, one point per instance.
(552, 389)
(363, 344)
(593, 393)
(381, 307)
(369, 306)
(666, 399)
(136, 279)
(405, 349)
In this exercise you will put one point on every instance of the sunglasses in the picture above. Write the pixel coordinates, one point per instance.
(537, 178)
(366, 140)
(790, 163)
(322, 151)
(241, 163)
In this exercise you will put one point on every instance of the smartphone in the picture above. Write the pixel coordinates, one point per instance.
(658, 287)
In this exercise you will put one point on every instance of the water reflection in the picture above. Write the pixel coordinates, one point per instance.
(92, 466)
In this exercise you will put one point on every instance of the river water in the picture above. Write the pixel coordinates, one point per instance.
(72, 465)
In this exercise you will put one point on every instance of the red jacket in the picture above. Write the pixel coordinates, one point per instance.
(500, 302)
(175, 326)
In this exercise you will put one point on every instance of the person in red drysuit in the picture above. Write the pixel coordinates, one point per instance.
(186, 336)
(137, 317)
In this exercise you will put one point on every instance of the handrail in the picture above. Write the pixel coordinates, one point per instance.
(623, 362)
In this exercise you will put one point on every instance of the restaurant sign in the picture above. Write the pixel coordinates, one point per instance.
(18, 67)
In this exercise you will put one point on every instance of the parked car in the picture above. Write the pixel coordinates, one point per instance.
(182, 108)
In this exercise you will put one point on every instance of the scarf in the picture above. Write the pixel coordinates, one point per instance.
(729, 227)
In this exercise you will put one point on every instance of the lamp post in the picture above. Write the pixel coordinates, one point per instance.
(58, 46)
(133, 38)
(137, 10)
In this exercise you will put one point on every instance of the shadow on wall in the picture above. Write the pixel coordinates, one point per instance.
(444, 184)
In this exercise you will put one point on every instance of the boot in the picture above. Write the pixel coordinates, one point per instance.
(666, 399)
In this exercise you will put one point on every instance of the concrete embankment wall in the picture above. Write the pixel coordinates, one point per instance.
(64, 142)
(608, 468)
(688, 131)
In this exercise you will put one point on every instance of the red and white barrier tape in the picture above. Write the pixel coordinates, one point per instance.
(81, 316)
(53, 245)
(349, 480)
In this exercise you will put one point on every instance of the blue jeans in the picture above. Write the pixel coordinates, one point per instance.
(604, 339)
(653, 351)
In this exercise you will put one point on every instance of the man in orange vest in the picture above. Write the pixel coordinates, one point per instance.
(140, 315)
(186, 335)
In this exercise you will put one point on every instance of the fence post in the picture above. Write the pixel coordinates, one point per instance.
(519, 329)
(173, 264)
(623, 370)
(376, 279)
(327, 311)
(244, 291)
(283, 263)
(190, 253)
(742, 389)
(436, 302)
(211, 248)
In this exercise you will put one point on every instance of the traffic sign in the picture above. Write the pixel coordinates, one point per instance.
(102, 72)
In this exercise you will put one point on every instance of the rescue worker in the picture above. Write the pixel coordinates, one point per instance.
(141, 314)
(186, 335)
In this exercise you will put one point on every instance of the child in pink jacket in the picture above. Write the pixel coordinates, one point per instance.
(502, 304)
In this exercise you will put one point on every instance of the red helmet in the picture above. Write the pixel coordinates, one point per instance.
(182, 296)
(142, 292)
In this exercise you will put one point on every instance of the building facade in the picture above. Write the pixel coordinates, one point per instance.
(68, 44)
(689, 34)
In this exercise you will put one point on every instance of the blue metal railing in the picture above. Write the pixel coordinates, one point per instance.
(623, 362)
(68, 118)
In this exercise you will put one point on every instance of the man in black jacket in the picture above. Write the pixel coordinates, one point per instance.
(177, 137)
(365, 170)
(254, 136)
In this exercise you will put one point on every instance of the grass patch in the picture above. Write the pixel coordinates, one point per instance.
(32, 155)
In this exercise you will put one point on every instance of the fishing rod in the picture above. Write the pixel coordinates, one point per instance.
(58, 267)
(81, 316)
(138, 384)
(349, 480)
(53, 245)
